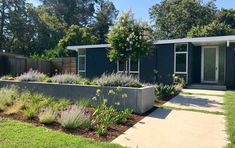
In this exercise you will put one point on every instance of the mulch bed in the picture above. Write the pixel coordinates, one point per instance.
(113, 132)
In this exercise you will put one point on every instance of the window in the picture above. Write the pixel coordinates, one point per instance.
(134, 66)
(181, 61)
(82, 62)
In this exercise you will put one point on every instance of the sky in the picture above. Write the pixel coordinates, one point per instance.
(141, 7)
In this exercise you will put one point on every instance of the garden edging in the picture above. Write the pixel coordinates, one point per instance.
(140, 100)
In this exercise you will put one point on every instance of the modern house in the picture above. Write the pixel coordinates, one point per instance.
(201, 61)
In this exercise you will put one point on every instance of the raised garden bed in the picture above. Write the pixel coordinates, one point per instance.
(140, 100)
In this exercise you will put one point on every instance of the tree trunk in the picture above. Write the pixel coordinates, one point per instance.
(128, 67)
(2, 24)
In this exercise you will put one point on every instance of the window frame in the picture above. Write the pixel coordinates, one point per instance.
(131, 72)
(178, 53)
(81, 56)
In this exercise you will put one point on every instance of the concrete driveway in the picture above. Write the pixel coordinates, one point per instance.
(165, 128)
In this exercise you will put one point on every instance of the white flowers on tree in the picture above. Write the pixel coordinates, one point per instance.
(129, 38)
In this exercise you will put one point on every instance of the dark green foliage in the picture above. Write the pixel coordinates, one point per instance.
(213, 29)
(105, 114)
(164, 91)
(182, 18)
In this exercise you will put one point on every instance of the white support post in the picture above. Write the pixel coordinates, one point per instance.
(228, 43)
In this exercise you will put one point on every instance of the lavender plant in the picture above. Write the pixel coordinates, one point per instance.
(68, 79)
(74, 117)
(32, 75)
(118, 79)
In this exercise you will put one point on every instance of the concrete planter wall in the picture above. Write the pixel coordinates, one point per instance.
(139, 99)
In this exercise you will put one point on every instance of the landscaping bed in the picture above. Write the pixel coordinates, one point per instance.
(101, 122)
(113, 132)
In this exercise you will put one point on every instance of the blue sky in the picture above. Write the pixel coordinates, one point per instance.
(141, 7)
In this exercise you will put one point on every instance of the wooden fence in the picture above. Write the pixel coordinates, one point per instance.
(15, 65)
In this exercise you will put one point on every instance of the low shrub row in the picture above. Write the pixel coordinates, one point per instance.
(95, 115)
(114, 79)
(165, 92)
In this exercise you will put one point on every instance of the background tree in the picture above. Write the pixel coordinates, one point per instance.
(105, 16)
(173, 19)
(129, 39)
(213, 29)
(75, 35)
(78, 12)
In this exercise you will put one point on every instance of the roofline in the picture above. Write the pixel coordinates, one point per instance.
(198, 39)
(216, 39)
(88, 46)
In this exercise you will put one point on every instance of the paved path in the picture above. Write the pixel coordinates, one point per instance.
(178, 129)
(198, 102)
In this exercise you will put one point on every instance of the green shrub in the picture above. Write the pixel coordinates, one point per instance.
(122, 116)
(106, 115)
(47, 116)
(60, 104)
(117, 79)
(30, 112)
(83, 102)
(7, 96)
(7, 77)
(32, 103)
(73, 117)
(164, 91)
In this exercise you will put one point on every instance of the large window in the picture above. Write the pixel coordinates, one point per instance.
(134, 67)
(82, 62)
(181, 61)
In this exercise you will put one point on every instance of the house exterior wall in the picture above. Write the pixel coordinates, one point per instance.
(196, 64)
(98, 63)
(161, 60)
(230, 67)
(147, 66)
(165, 63)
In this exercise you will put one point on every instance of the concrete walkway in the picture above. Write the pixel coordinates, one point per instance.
(173, 128)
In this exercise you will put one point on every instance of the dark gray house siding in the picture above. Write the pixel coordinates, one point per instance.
(196, 64)
(230, 67)
(97, 63)
(147, 66)
(165, 63)
(158, 67)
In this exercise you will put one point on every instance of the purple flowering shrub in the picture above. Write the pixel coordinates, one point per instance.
(69, 79)
(32, 75)
(118, 79)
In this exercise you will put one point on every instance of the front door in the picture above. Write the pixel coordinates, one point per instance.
(210, 58)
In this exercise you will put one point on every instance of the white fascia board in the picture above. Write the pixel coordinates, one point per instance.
(198, 40)
(88, 46)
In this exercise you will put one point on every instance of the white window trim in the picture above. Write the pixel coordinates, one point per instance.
(80, 56)
(131, 72)
(181, 52)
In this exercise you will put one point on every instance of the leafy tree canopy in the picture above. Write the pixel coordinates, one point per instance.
(213, 29)
(129, 38)
(174, 18)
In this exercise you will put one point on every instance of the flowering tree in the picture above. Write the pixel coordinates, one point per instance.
(129, 39)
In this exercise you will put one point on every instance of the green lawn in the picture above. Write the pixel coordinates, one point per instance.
(229, 101)
(18, 134)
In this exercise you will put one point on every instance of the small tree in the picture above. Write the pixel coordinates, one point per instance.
(129, 39)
